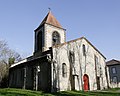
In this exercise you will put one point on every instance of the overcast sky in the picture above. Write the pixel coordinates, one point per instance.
(97, 20)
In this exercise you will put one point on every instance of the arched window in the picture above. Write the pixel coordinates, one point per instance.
(55, 38)
(39, 41)
(64, 70)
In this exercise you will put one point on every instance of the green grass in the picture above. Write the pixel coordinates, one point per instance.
(22, 92)
(113, 89)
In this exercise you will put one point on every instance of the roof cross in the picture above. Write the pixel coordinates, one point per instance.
(49, 9)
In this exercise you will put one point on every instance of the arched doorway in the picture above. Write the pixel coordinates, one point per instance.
(86, 82)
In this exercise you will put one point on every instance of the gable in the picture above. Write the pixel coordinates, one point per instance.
(112, 62)
(82, 38)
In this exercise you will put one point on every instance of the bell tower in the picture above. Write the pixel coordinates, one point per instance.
(49, 33)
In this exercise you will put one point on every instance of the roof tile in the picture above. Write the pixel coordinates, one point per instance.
(50, 19)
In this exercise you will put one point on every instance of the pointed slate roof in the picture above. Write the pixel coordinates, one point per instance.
(50, 19)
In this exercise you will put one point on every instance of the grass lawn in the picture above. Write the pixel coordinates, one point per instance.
(21, 92)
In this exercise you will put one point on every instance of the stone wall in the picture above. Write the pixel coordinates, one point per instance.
(33, 75)
(49, 29)
(77, 66)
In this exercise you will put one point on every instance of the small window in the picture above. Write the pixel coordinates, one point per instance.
(64, 70)
(71, 57)
(114, 79)
(84, 50)
(114, 70)
(96, 60)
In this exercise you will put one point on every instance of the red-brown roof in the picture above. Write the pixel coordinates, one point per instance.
(50, 19)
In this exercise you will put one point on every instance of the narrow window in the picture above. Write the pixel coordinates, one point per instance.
(84, 50)
(22, 75)
(71, 57)
(96, 60)
(39, 41)
(55, 38)
(64, 70)
(96, 63)
(38, 68)
(114, 70)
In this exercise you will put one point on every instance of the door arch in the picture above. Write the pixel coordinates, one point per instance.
(86, 82)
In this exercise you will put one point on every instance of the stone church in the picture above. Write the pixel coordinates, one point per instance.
(57, 65)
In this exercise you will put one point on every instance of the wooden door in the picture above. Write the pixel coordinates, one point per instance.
(86, 82)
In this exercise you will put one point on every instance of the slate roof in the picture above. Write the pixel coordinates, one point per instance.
(112, 62)
(50, 19)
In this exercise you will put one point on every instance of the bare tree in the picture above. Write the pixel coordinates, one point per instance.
(7, 57)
